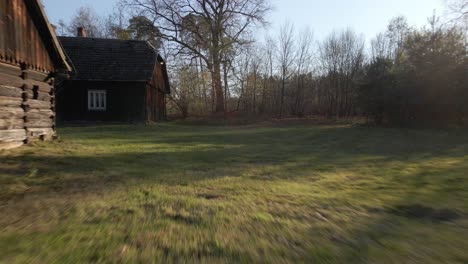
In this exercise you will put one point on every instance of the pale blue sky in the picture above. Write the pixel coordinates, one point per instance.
(321, 16)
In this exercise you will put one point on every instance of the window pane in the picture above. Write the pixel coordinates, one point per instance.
(97, 99)
(102, 101)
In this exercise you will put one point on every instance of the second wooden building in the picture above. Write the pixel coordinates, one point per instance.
(112, 80)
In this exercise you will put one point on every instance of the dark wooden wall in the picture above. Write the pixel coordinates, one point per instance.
(155, 104)
(125, 101)
(156, 95)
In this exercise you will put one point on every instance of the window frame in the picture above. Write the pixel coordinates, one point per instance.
(94, 100)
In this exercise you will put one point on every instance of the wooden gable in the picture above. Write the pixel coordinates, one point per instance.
(26, 37)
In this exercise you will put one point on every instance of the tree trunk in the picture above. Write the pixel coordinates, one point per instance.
(226, 85)
(262, 106)
(254, 105)
(217, 88)
(283, 84)
(216, 74)
(240, 96)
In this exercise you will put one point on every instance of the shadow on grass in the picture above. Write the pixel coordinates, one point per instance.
(111, 155)
(422, 171)
(410, 229)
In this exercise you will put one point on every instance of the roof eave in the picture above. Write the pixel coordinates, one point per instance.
(57, 47)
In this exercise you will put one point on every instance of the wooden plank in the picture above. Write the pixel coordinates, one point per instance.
(9, 101)
(40, 123)
(11, 124)
(10, 70)
(23, 17)
(21, 39)
(43, 112)
(10, 80)
(42, 86)
(41, 96)
(36, 104)
(11, 112)
(12, 135)
(40, 133)
(38, 116)
(45, 97)
(17, 30)
(11, 91)
(10, 32)
(11, 145)
(36, 76)
(2, 28)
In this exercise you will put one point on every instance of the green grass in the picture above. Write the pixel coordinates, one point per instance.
(256, 194)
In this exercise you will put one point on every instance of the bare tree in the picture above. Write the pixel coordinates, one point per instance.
(304, 63)
(256, 61)
(286, 57)
(458, 11)
(113, 25)
(62, 28)
(241, 73)
(184, 89)
(342, 56)
(205, 28)
(269, 51)
(87, 18)
(396, 33)
(380, 47)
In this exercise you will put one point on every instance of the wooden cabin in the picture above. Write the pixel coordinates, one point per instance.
(31, 58)
(112, 81)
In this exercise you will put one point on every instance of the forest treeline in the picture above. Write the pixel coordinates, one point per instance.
(403, 76)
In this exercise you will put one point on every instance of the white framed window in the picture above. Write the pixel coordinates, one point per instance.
(97, 100)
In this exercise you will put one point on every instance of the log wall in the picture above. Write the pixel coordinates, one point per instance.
(27, 106)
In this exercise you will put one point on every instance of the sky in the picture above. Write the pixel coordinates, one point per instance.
(368, 17)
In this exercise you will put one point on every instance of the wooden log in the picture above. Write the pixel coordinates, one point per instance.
(40, 123)
(11, 91)
(11, 145)
(9, 101)
(36, 76)
(30, 117)
(12, 123)
(8, 112)
(36, 104)
(10, 69)
(12, 135)
(41, 96)
(42, 86)
(44, 97)
(30, 85)
(40, 133)
(10, 80)
(41, 112)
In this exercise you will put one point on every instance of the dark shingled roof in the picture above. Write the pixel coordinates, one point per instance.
(110, 59)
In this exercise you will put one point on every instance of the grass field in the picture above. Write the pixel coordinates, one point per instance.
(268, 193)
